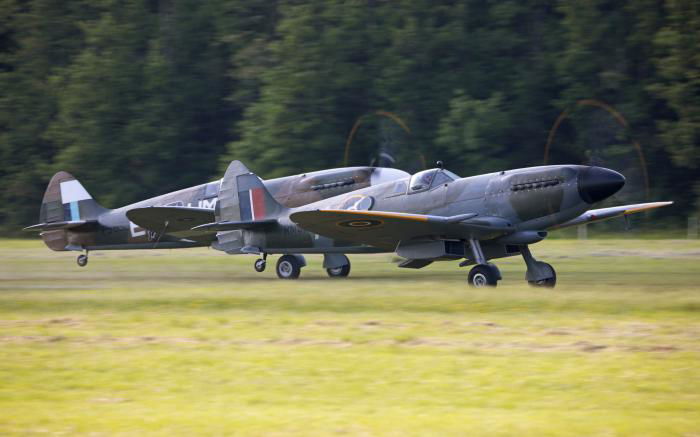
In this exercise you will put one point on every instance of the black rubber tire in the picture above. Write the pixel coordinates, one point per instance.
(82, 260)
(288, 267)
(260, 265)
(483, 275)
(546, 283)
(339, 272)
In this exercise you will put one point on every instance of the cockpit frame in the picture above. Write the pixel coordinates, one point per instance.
(427, 180)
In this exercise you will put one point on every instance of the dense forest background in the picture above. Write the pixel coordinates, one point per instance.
(137, 98)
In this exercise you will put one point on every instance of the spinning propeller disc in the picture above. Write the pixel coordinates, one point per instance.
(594, 133)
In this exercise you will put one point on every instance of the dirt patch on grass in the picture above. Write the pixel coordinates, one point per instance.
(60, 321)
(409, 342)
(110, 400)
(557, 332)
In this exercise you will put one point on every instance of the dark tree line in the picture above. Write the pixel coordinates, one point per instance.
(141, 97)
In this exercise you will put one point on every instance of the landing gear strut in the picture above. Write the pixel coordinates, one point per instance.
(82, 259)
(483, 274)
(539, 274)
(260, 263)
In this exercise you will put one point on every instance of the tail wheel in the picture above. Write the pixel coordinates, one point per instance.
(288, 267)
(339, 272)
(260, 265)
(82, 260)
(484, 275)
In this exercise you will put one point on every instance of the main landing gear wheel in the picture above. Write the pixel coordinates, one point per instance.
(260, 265)
(548, 282)
(484, 275)
(82, 260)
(339, 272)
(288, 267)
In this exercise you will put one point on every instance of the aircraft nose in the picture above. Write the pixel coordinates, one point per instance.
(598, 183)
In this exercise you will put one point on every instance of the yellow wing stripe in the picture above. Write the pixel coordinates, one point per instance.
(414, 217)
(647, 207)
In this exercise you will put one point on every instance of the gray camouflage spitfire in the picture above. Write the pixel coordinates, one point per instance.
(433, 215)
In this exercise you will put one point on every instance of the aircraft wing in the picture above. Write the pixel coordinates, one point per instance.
(596, 215)
(172, 220)
(386, 229)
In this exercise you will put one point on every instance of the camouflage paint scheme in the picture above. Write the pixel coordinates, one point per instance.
(490, 195)
(104, 229)
(431, 216)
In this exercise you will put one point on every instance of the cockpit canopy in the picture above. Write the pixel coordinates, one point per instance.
(427, 179)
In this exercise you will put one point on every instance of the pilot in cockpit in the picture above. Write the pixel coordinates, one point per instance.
(427, 179)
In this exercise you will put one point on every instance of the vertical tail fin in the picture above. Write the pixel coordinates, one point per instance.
(66, 205)
(244, 197)
(66, 199)
(255, 202)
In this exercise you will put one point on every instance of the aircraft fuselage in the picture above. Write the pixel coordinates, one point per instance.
(534, 198)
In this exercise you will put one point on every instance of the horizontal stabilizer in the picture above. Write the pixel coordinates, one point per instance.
(170, 219)
(597, 215)
(233, 225)
(54, 226)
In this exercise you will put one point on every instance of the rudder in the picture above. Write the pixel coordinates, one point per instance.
(244, 197)
(256, 203)
(66, 199)
(65, 205)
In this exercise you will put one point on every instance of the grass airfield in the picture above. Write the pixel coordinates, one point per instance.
(195, 342)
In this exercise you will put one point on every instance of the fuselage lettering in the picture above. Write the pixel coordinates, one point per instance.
(136, 231)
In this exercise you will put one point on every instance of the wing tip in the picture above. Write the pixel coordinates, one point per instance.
(648, 206)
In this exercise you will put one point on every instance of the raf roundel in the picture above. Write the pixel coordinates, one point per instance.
(361, 223)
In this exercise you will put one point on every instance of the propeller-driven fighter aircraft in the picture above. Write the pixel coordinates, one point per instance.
(70, 219)
(433, 215)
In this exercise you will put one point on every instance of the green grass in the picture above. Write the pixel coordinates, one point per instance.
(195, 342)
